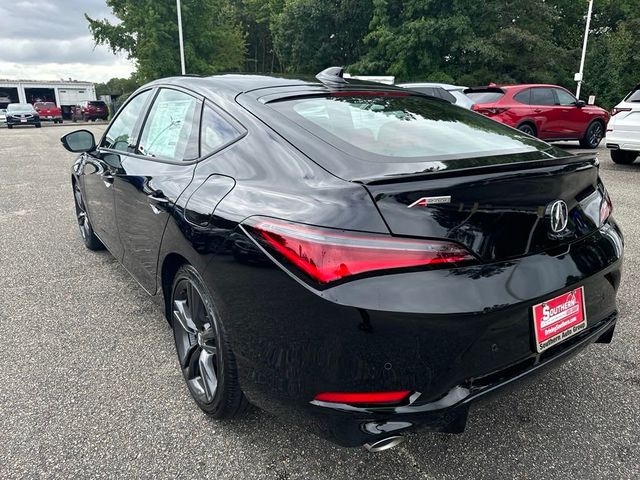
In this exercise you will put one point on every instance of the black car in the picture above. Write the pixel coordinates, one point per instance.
(22, 114)
(356, 258)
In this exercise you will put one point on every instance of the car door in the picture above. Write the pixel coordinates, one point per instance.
(542, 109)
(572, 120)
(151, 180)
(99, 168)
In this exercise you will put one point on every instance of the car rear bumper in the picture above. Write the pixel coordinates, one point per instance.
(450, 336)
(623, 140)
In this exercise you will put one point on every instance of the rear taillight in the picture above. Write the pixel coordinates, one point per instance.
(606, 208)
(327, 255)
(490, 110)
(616, 111)
(364, 398)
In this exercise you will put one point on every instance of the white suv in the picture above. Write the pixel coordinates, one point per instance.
(623, 130)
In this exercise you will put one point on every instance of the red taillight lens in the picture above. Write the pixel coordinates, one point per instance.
(616, 111)
(606, 208)
(327, 255)
(364, 398)
(490, 110)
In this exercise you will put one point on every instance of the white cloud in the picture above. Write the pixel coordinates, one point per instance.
(50, 39)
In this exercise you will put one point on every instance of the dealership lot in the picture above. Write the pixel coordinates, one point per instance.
(89, 383)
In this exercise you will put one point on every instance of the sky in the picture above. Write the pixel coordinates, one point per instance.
(50, 40)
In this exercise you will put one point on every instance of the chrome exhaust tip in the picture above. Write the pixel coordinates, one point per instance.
(384, 444)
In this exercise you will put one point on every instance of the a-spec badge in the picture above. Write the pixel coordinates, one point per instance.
(428, 201)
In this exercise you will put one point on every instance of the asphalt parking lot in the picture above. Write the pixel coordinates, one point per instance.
(90, 387)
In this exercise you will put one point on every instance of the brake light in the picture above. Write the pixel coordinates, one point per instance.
(616, 111)
(490, 110)
(327, 255)
(364, 398)
(606, 207)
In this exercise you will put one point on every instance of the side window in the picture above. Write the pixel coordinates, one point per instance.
(565, 98)
(171, 130)
(542, 96)
(216, 131)
(119, 135)
(447, 96)
(523, 97)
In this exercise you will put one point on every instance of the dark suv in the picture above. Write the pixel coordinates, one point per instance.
(90, 110)
(548, 112)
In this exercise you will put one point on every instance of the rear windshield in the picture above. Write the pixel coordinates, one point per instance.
(634, 96)
(388, 128)
(97, 104)
(484, 97)
(44, 105)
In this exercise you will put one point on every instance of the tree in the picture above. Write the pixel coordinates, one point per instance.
(148, 34)
(310, 35)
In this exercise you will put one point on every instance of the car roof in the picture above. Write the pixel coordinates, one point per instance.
(526, 85)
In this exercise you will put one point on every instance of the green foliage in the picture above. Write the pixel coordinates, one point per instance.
(148, 34)
(455, 41)
(117, 86)
(309, 35)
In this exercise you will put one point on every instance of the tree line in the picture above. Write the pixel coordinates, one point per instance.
(464, 42)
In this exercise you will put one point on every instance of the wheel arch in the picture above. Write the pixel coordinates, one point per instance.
(170, 266)
(531, 123)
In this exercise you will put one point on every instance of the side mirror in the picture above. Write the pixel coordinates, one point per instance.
(580, 103)
(79, 141)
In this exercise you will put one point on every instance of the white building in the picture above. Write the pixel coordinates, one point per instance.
(65, 94)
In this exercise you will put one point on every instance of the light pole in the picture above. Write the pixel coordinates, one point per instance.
(180, 37)
(580, 74)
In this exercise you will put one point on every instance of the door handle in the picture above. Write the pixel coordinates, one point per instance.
(538, 110)
(157, 198)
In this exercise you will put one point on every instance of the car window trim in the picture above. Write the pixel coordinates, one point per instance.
(198, 98)
(135, 130)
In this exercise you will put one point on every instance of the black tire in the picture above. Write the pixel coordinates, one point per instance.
(38, 125)
(528, 129)
(204, 353)
(9, 126)
(86, 230)
(593, 136)
(623, 157)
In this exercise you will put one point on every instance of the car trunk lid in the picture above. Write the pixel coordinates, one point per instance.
(497, 213)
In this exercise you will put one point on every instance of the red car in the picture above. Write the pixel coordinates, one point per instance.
(48, 111)
(90, 110)
(548, 112)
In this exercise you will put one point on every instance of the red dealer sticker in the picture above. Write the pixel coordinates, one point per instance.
(559, 318)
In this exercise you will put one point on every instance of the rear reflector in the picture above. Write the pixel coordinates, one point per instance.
(606, 208)
(362, 398)
(327, 255)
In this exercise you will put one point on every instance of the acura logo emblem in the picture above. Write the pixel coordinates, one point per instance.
(559, 216)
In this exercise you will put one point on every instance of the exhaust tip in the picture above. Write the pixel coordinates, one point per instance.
(384, 444)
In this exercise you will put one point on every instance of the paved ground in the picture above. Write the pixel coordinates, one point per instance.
(84, 395)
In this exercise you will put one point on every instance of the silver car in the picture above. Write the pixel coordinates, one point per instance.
(452, 93)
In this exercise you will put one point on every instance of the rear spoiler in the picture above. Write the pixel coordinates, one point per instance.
(484, 89)
(497, 166)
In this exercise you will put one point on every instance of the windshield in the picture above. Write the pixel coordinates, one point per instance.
(396, 127)
(20, 107)
(484, 97)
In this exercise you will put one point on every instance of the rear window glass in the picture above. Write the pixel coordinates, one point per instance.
(97, 104)
(403, 127)
(485, 97)
(45, 105)
(634, 96)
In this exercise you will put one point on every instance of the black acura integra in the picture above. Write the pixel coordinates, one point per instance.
(354, 257)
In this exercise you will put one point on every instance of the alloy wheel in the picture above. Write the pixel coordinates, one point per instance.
(527, 129)
(196, 341)
(595, 134)
(81, 213)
